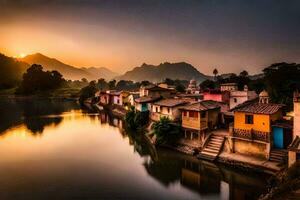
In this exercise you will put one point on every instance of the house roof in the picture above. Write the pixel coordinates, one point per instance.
(201, 106)
(252, 106)
(295, 145)
(156, 88)
(228, 84)
(171, 102)
(147, 99)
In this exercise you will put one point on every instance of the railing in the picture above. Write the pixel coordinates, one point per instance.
(252, 135)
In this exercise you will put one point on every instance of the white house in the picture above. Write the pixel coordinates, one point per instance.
(239, 97)
(228, 87)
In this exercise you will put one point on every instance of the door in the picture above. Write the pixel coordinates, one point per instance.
(278, 137)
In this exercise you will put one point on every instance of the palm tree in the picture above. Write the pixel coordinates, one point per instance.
(215, 72)
(166, 131)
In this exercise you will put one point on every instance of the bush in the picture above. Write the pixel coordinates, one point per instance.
(166, 131)
(136, 120)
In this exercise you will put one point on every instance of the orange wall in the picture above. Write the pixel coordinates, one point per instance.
(260, 122)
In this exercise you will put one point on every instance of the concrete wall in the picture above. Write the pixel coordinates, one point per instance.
(250, 148)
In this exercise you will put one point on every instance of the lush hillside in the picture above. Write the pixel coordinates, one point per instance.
(182, 70)
(11, 71)
(68, 71)
(101, 72)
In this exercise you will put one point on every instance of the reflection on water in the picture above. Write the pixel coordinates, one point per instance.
(84, 155)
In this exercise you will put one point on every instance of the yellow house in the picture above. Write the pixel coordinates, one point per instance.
(199, 117)
(252, 129)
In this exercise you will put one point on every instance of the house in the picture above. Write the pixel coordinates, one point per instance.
(194, 97)
(167, 108)
(193, 88)
(252, 128)
(216, 95)
(114, 97)
(143, 104)
(104, 98)
(154, 90)
(294, 148)
(131, 98)
(229, 87)
(124, 101)
(239, 97)
(199, 117)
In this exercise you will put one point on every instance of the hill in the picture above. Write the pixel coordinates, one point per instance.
(11, 71)
(68, 71)
(101, 72)
(181, 70)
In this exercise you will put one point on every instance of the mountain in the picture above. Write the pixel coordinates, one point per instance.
(11, 71)
(68, 71)
(101, 72)
(181, 70)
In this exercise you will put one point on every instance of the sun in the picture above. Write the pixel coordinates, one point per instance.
(22, 55)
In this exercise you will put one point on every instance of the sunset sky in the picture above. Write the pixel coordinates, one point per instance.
(119, 34)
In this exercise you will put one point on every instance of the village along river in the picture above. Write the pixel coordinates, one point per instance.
(57, 150)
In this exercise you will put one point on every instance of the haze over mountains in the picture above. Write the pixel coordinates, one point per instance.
(68, 71)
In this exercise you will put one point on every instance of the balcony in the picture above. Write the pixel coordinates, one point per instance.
(252, 135)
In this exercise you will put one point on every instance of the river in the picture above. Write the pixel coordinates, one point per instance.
(57, 150)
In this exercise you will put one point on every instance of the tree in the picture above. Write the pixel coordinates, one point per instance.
(37, 80)
(215, 72)
(281, 80)
(88, 92)
(166, 131)
(208, 84)
(135, 120)
(102, 84)
(244, 73)
(112, 84)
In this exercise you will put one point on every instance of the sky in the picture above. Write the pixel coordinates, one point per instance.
(121, 34)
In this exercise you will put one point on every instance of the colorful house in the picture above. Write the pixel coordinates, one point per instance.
(154, 90)
(143, 104)
(199, 117)
(252, 131)
(167, 108)
(294, 148)
(104, 98)
(216, 95)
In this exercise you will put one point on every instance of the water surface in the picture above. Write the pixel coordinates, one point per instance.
(57, 150)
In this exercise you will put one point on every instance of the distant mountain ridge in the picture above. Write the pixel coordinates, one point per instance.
(68, 71)
(180, 70)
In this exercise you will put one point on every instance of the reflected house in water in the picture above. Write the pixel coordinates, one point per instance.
(204, 178)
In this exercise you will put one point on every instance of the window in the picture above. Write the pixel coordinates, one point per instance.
(249, 119)
(184, 113)
(235, 100)
(203, 115)
(156, 109)
(168, 110)
(193, 114)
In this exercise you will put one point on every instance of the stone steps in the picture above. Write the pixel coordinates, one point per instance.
(212, 148)
(278, 156)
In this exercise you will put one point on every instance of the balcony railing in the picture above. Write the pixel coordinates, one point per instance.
(252, 135)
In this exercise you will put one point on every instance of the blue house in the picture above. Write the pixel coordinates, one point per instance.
(282, 133)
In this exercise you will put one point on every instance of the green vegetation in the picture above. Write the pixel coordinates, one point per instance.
(136, 120)
(88, 92)
(166, 131)
(11, 72)
(179, 85)
(283, 185)
(36, 80)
